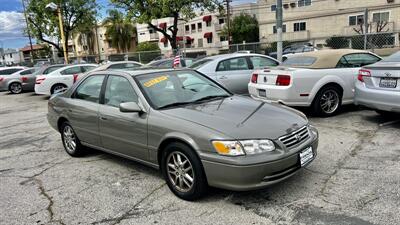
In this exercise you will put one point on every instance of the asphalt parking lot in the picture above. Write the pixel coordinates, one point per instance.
(354, 180)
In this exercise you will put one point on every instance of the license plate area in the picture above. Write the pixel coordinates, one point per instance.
(262, 93)
(306, 156)
(388, 82)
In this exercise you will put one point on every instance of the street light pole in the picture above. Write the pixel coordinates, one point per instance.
(279, 25)
(60, 20)
(29, 31)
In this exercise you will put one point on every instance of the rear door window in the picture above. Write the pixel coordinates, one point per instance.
(71, 70)
(89, 89)
(239, 63)
(9, 71)
(51, 69)
(26, 72)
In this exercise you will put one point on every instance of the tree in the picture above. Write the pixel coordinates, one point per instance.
(144, 11)
(44, 24)
(243, 28)
(120, 30)
(147, 46)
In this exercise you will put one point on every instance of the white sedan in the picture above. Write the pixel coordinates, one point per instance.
(61, 78)
(323, 80)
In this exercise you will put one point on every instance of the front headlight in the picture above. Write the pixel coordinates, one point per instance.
(237, 148)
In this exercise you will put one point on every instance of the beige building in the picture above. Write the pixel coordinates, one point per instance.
(316, 20)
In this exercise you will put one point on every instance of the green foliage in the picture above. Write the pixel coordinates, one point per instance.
(243, 28)
(337, 42)
(44, 24)
(144, 11)
(120, 30)
(147, 46)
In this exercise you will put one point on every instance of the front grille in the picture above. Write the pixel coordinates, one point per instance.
(295, 138)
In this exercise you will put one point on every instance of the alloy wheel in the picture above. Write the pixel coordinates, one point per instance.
(180, 171)
(69, 139)
(58, 88)
(329, 101)
(16, 88)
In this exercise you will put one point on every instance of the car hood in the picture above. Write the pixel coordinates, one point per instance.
(242, 117)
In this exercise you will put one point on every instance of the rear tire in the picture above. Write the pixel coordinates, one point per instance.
(71, 142)
(183, 172)
(327, 102)
(57, 87)
(15, 88)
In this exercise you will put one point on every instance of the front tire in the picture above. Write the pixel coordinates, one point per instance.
(15, 88)
(183, 172)
(328, 101)
(71, 142)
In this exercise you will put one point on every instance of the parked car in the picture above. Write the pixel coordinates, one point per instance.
(187, 125)
(233, 70)
(169, 63)
(5, 73)
(291, 50)
(14, 82)
(28, 80)
(378, 85)
(323, 80)
(120, 65)
(61, 78)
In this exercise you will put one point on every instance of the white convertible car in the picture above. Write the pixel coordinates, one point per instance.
(323, 80)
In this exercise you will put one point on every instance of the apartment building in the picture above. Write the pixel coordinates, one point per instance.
(198, 36)
(316, 20)
(9, 57)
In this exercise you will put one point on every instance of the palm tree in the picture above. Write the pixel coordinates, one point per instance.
(119, 30)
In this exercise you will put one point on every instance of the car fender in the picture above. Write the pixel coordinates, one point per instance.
(182, 137)
(13, 80)
(323, 81)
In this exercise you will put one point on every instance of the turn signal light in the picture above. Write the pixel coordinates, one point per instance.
(283, 80)
(1, 79)
(363, 73)
(254, 78)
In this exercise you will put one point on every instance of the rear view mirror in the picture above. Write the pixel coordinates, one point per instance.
(130, 107)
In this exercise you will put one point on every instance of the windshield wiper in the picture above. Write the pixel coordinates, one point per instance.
(210, 97)
(174, 104)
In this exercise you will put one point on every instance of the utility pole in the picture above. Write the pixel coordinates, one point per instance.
(279, 25)
(28, 30)
(366, 29)
(228, 17)
(97, 40)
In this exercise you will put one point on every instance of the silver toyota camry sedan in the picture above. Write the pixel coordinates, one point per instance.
(187, 125)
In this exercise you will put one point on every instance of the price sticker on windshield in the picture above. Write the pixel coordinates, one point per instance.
(155, 81)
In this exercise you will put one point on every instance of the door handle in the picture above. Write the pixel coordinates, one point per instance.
(103, 118)
(223, 77)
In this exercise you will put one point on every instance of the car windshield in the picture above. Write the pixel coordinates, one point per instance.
(176, 88)
(200, 63)
(393, 58)
(299, 61)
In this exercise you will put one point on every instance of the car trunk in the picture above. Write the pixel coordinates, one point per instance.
(276, 76)
(384, 76)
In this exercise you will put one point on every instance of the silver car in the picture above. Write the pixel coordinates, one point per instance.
(378, 85)
(120, 65)
(187, 125)
(233, 70)
(11, 79)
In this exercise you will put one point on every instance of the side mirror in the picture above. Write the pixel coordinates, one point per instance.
(130, 107)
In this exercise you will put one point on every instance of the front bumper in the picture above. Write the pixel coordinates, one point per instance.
(377, 99)
(252, 177)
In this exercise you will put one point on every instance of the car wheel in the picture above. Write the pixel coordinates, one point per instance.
(328, 101)
(57, 87)
(15, 88)
(71, 142)
(183, 172)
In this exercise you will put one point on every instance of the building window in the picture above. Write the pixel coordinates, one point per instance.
(10, 55)
(199, 26)
(300, 26)
(222, 38)
(221, 21)
(208, 24)
(273, 8)
(193, 27)
(187, 28)
(283, 29)
(200, 43)
(356, 20)
(209, 40)
(302, 3)
(380, 17)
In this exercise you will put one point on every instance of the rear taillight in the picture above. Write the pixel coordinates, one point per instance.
(254, 78)
(75, 77)
(283, 80)
(24, 79)
(40, 80)
(1, 79)
(363, 73)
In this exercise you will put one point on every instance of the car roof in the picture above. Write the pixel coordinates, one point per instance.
(117, 62)
(12, 67)
(327, 58)
(227, 56)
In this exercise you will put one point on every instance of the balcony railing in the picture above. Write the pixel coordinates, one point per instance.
(291, 36)
(381, 27)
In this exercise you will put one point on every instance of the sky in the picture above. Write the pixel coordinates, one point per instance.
(12, 22)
